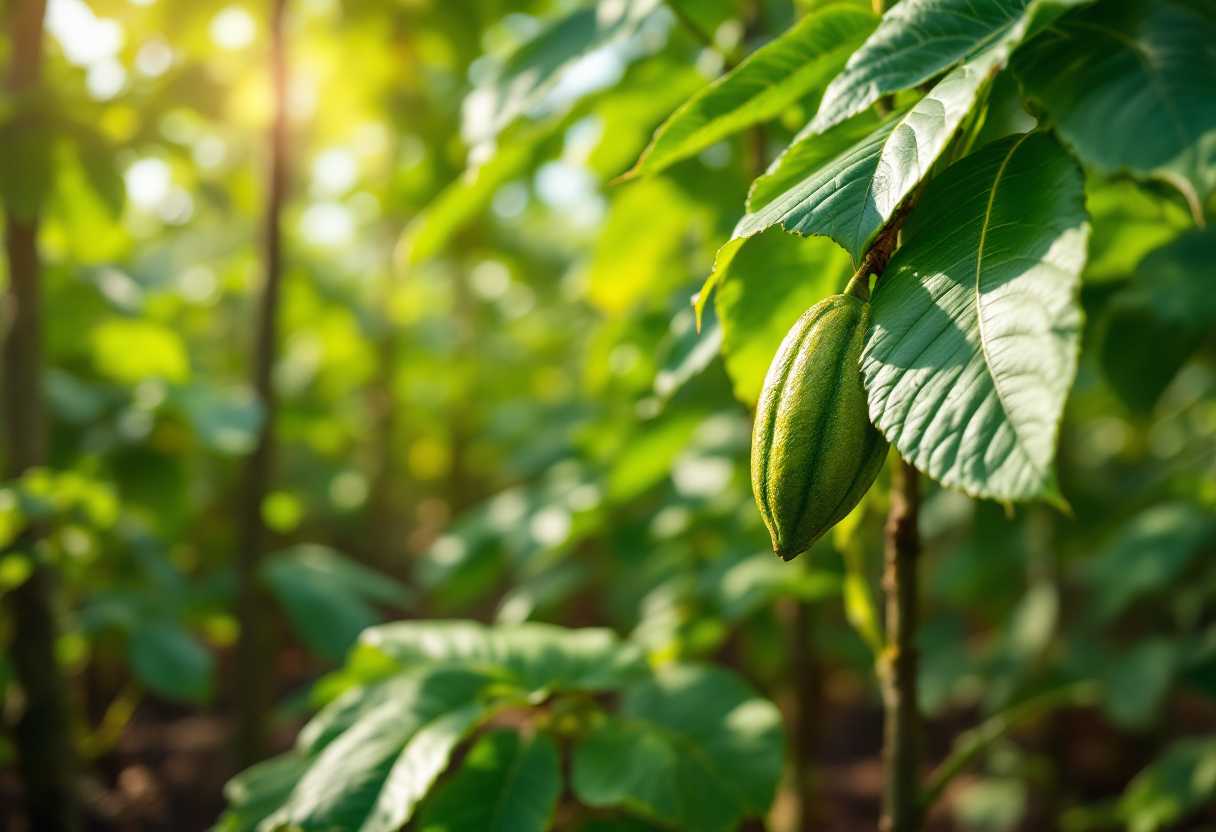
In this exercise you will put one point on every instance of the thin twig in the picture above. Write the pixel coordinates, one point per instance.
(972, 743)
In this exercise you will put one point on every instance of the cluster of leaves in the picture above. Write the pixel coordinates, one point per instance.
(689, 746)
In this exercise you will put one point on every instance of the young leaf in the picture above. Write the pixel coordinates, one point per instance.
(507, 783)
(775, 76)
(695, 748)
(1131, 86)
(976, 322)
(1160, 319)
(919, 39)
(847, 187)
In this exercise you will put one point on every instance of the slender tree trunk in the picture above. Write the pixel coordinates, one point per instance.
(253, 671)
(901, 725)
(46, 754)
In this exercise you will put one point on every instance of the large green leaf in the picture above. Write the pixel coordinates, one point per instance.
(919, 39)
(523, 79)
(532, 657)
(507, 783)
(329, 598)
(976, 328)
(799, 62)
(371, 777)
(1161, 318)
(847, 183)
(773, 279)
(694, 748)
(1131, 86)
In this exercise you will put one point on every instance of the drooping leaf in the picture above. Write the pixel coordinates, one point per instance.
(847, 183)
(524, 79)
(976, 323)
(372, 776)
(1161, 318)
(171, 662)
(800, 61)
(695, 748)
(773, 279)
(507, 783)
(919, 39)
(329, 597)
(1131, 87)
(1180, 781)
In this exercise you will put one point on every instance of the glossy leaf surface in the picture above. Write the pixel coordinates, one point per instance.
(848, 188)
(919, 39)
(976, 323)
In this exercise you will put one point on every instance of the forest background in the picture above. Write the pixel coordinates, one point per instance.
(350, 314)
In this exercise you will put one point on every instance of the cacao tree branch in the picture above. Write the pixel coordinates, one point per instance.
(253, 676)
(875, 260)
(46, 754)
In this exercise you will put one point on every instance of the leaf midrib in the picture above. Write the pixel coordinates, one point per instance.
(979, 318)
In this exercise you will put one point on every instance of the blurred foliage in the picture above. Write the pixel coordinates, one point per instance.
(496, 405)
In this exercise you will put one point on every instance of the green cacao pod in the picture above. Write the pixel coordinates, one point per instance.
(814, 451)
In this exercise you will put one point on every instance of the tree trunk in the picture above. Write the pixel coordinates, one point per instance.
(901, 724)
(42, 736)
(253, 671)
